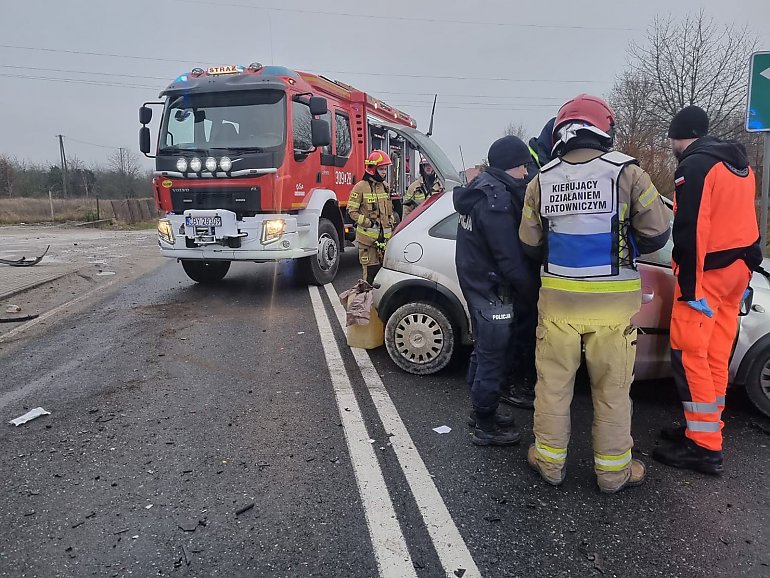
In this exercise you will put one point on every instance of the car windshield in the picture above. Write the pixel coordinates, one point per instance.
(244, 121)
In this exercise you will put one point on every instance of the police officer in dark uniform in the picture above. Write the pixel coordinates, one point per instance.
(494, 276)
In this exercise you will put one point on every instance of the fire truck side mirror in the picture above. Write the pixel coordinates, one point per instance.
(144, 140)
(145, 115)
(319, 132)
(317, 105)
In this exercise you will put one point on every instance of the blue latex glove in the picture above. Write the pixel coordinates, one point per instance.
(702, 306)
(746, 293)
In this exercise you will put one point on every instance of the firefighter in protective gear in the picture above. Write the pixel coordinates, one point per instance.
(716, 246)
(371, 209)
(426, 185)
(589, 213)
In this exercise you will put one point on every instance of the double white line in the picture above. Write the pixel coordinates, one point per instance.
(390, 548)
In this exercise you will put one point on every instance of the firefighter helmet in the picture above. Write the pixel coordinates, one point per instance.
(583, 113)
(588, 109)
(377, 158)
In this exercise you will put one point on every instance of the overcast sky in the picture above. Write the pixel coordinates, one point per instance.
(82, 68)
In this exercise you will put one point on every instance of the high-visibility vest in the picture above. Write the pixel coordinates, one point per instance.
(580, 211)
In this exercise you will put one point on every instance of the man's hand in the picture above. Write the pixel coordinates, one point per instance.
(702, 306)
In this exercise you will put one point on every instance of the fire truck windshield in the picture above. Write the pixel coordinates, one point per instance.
(239, 122)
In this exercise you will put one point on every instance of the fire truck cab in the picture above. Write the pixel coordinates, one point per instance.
(256, 164)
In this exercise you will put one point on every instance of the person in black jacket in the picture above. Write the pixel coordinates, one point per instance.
(541, 147)
(494, 275)
(519, 390)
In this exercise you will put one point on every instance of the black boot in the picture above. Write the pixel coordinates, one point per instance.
(487, 433)
(690, 456)
(503, 420)
(673, 433)
(520, 394)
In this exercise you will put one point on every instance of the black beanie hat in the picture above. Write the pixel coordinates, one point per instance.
(508, 152)
(690, 122)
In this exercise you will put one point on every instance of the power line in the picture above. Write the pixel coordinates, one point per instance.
(92, 72)
(412, 19)
(93, 144)
(86, 53)
(446, 94)
(399, 93)
(79, 81)
(351, 72)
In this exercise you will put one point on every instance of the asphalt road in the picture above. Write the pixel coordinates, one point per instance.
(202, 431)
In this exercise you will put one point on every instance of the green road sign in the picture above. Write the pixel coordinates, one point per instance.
(758, 113)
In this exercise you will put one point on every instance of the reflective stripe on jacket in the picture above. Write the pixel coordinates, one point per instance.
(371, 209)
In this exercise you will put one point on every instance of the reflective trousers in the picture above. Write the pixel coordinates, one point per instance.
(610, 352)
(700, 351)
(369, 257)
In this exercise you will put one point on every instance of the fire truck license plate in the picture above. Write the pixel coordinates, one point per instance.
(203, 221)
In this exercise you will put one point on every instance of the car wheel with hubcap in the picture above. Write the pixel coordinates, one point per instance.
(420, 338)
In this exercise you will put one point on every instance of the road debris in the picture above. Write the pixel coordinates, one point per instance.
(24, 262)
(18, 319)
(12, 309)
(442, 429)
(188, 525)
(244, 509)
(29, 416)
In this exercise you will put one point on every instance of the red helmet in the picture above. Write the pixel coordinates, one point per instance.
(585, 108)
(377, 158)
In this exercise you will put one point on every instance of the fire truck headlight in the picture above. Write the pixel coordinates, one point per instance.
(196, 165)
(272, 230)
(166, 231)
(225, 164)
(181, 165)
(211, 164)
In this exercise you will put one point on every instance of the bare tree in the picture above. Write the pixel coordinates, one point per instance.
(640, 134)
(692, 61)
(695, 61)
(7, 175)
(126, 164)
(516, 129)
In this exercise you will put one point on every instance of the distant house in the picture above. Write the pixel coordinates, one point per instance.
(469, 174)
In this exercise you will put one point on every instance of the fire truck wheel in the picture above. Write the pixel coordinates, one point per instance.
(206, 271)
(321, 269)
(420, 338)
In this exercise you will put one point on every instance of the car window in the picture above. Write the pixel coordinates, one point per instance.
(446, 228)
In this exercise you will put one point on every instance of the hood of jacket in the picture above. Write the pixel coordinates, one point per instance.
(732, 153)
(495, 185)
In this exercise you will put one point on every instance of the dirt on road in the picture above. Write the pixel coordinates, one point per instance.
(81, 264)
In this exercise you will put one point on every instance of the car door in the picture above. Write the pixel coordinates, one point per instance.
(653, 359)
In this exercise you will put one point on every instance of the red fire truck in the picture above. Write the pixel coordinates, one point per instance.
(255, 163)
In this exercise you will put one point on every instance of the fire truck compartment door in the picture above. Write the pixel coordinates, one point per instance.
(442, 165)
(221, 223)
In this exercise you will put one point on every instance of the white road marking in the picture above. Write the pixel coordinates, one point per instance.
(393, 559)
(449, 544)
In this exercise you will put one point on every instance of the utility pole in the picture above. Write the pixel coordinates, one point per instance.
(63, 155)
